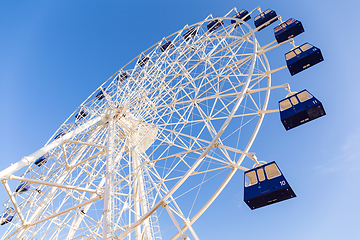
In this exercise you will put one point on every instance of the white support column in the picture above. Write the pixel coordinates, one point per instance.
(109, 181)
(140, 199)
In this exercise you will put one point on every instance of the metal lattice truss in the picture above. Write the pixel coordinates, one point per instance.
(156, 150)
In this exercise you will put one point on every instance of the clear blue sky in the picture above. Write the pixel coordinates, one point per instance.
(53, 54)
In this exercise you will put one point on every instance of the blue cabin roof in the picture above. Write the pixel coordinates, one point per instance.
(166, 45)
(23, 187)
(191, 32)
(215, 24)
(143, 61)
(241, 16)
(302, 57)
(300, 108)
(289, 29)
(40, 161)
(265, 17)
(7, 216)
(265, 185)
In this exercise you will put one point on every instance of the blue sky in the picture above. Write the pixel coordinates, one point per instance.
(53, 54)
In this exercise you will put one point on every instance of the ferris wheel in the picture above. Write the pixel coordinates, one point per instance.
(149, 151)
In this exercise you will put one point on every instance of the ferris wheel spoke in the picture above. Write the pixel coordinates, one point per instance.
(255, 104)
(215, 96)
(200, 142)
(176, 111)
(243, 62)
(177, 212)
(208, 203)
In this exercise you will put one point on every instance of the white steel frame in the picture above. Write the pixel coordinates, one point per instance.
(185, 120)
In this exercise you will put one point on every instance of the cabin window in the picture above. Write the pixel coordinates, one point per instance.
(267, 11)
(305, 47)
(304, 96)
(278, 28)
(272, 171)
(285, 104)
(257, 18)
(261, 174)
(294, 101)
(290, 21)
(290, 55)
(250, 179)
(10, 211)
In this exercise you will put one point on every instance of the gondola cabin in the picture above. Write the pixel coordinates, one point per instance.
(122, 76)
(60, 134)
(300, 108)
(40, 161)
(287, 30)
(7, 216)
(265, 185)
(100, 95)
(265, 18)
(191, 32)
(241, 15)
(143, 61)
(213, 25)
(166, 45)
(23, 187)
(303, 57)
(81, 114)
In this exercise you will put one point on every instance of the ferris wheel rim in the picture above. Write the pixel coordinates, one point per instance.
(147, 50)
(229, 118)
(213, 142)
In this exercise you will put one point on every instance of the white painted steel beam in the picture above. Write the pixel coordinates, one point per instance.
(12, 177)
(206, 151)
(25, 161)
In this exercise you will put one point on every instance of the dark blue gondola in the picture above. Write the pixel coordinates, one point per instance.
(303, 57)
(288, 29)
(122, 76)
(241, 16)
(40, 161)
(81, 114)
(143, 61)
(166, 45)
(61, 133)
(265, 185)
(213, 25)
(23, 187)
(100, 95)
(7, 216)
(191, 32)
(265, 17)
(300, 108)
